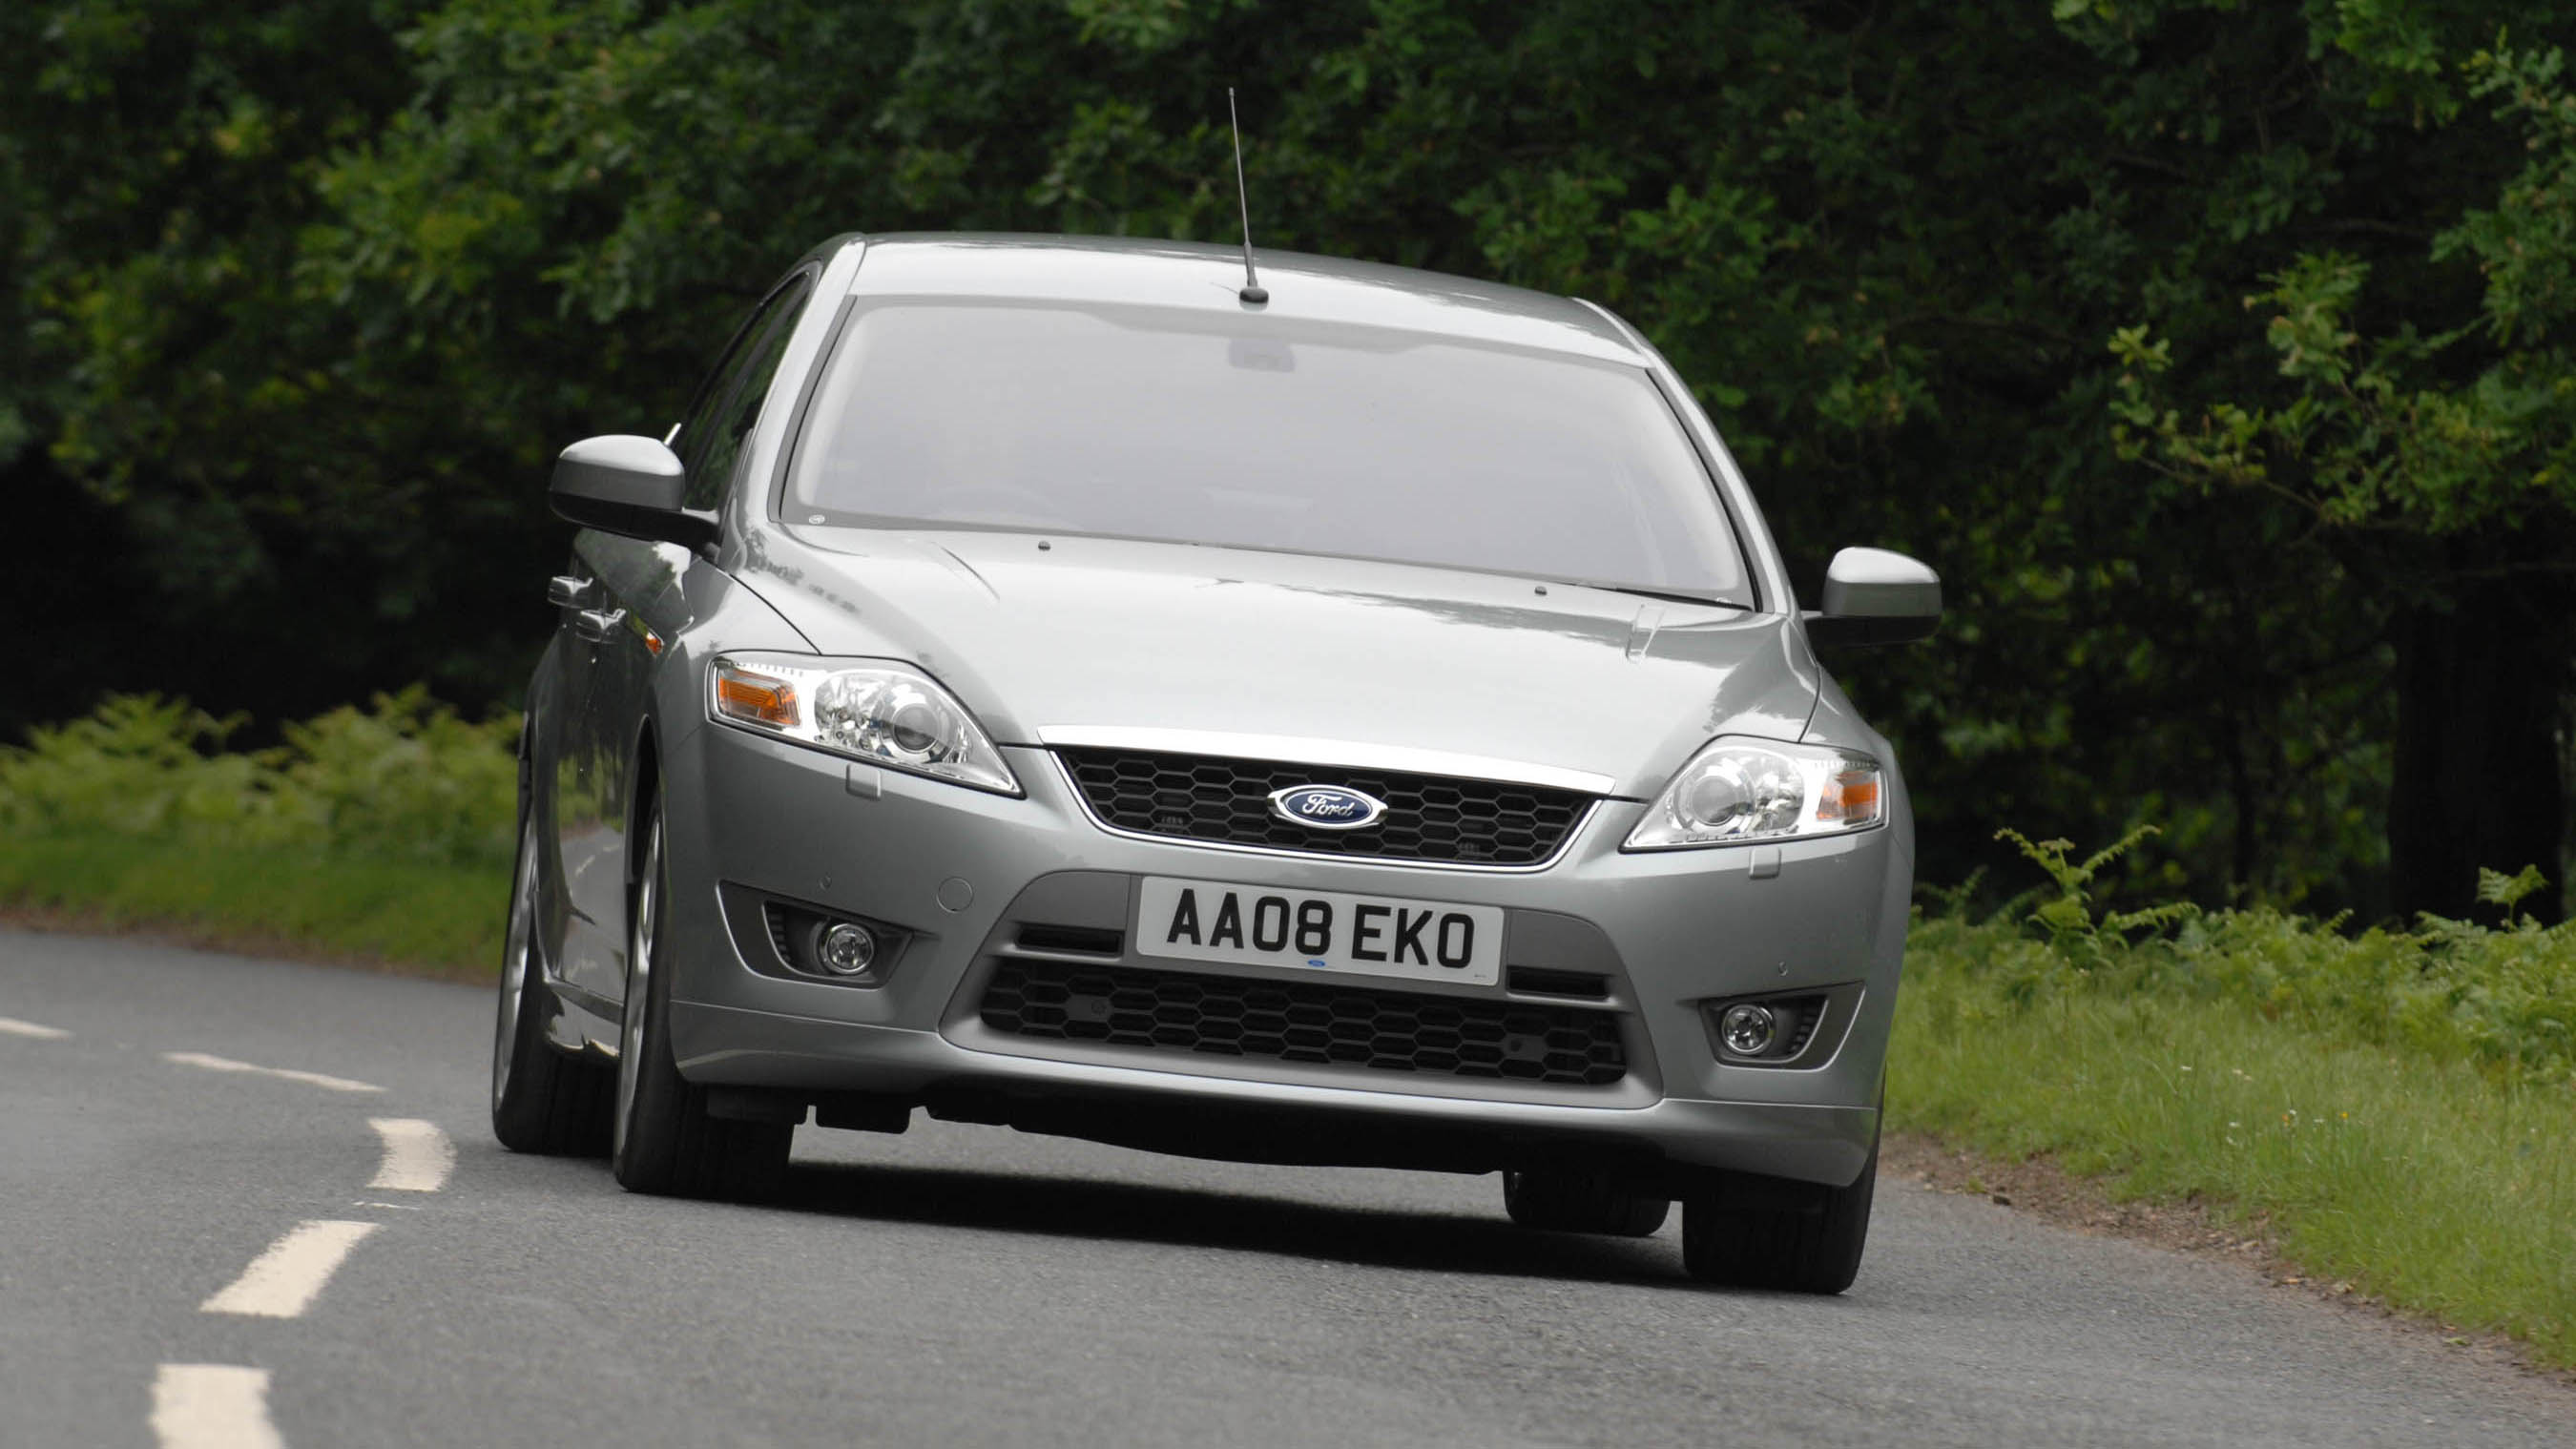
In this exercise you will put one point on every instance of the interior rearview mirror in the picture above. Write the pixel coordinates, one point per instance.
(1873, 596)
(627, 485)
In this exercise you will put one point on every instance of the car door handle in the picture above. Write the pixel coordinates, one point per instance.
(596, 625)
(566, 592)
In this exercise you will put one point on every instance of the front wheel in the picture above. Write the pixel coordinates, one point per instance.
(666, 1142)
(542, 1101)
(1756, 1232)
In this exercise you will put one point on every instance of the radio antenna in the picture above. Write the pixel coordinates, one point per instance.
(1253, 292)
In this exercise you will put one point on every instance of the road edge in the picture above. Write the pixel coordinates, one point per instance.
(2192, 1228)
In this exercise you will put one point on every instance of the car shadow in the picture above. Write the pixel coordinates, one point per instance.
(1077, 1207)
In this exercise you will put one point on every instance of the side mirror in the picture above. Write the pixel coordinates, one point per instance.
(1873, 596)
(627, 485)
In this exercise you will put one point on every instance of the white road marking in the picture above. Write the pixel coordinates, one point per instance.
(212, 1406)
(227, 1064)
(11, 1026)
(283, 1282)
(418, 1156)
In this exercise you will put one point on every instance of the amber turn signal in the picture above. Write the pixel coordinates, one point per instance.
(1850, 797)
(759, 700)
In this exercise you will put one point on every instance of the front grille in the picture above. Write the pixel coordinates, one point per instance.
(1428, 817)
(1331, 1025)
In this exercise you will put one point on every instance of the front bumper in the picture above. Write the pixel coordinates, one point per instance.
(961, 870)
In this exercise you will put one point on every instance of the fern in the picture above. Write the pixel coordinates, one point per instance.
(2495, 888)
(2068, 922)
(1950, 903)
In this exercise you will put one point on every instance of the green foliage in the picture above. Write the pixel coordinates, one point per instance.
(137, 765)
(2419, 1172)
(2439, 432)
(405, 778)
(2360, 441)
(2502, 1001)
(2430, 440)
(302, 294)
(2073, 929)
(424, 915)
(2498, 889)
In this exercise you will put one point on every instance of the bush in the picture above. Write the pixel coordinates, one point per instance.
(2504, 999)
(404, 778)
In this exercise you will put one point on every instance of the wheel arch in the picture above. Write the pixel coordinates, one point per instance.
(643, 792)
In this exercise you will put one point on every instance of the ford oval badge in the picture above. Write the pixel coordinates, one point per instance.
(1326, 807)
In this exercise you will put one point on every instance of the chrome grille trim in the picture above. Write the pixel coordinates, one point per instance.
(1334, 754)
(1574, 832)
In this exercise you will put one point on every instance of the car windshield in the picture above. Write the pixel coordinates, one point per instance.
(1257, 432)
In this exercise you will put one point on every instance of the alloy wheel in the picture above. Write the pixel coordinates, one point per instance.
(517, 959)
(639, 978)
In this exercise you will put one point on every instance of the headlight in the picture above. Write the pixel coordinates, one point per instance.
(1736, 791)
(884, 713)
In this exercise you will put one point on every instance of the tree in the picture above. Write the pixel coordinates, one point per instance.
(2449, 458)
(156, 159)
(1883, 237)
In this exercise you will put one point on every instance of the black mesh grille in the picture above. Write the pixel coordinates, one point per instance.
(1389, 1031)
(1428, 817)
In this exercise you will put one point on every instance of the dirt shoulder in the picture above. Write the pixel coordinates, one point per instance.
(2192, 1227)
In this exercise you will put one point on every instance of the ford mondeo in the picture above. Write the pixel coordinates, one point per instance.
(1360, 719)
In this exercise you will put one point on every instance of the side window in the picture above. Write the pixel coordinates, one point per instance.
(710, 395)
(711, 440)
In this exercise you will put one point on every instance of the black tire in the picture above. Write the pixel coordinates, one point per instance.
(1756, 1232)
(543, 1101)
(665, 1141)
(1574, 1201)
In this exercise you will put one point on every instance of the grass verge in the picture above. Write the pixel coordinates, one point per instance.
(2434, 1186)
(431, 917)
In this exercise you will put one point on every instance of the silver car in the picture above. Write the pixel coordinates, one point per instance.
(1046, 681)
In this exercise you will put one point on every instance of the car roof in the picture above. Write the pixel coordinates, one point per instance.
(1133, 271)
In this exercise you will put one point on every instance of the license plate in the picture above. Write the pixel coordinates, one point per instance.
(1200, 920)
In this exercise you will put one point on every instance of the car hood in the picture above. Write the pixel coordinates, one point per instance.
(1043, 637)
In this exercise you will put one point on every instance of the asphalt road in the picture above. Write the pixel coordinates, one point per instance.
(160, 1254)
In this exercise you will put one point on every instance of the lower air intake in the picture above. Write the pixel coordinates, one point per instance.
(1326, 1025)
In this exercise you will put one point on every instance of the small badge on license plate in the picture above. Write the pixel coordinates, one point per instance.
(1202, 920)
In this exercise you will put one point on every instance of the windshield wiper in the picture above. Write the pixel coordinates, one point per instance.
(1667, 595)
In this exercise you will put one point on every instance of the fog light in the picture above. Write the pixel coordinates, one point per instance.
(1748, 1030)
(848, 949)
